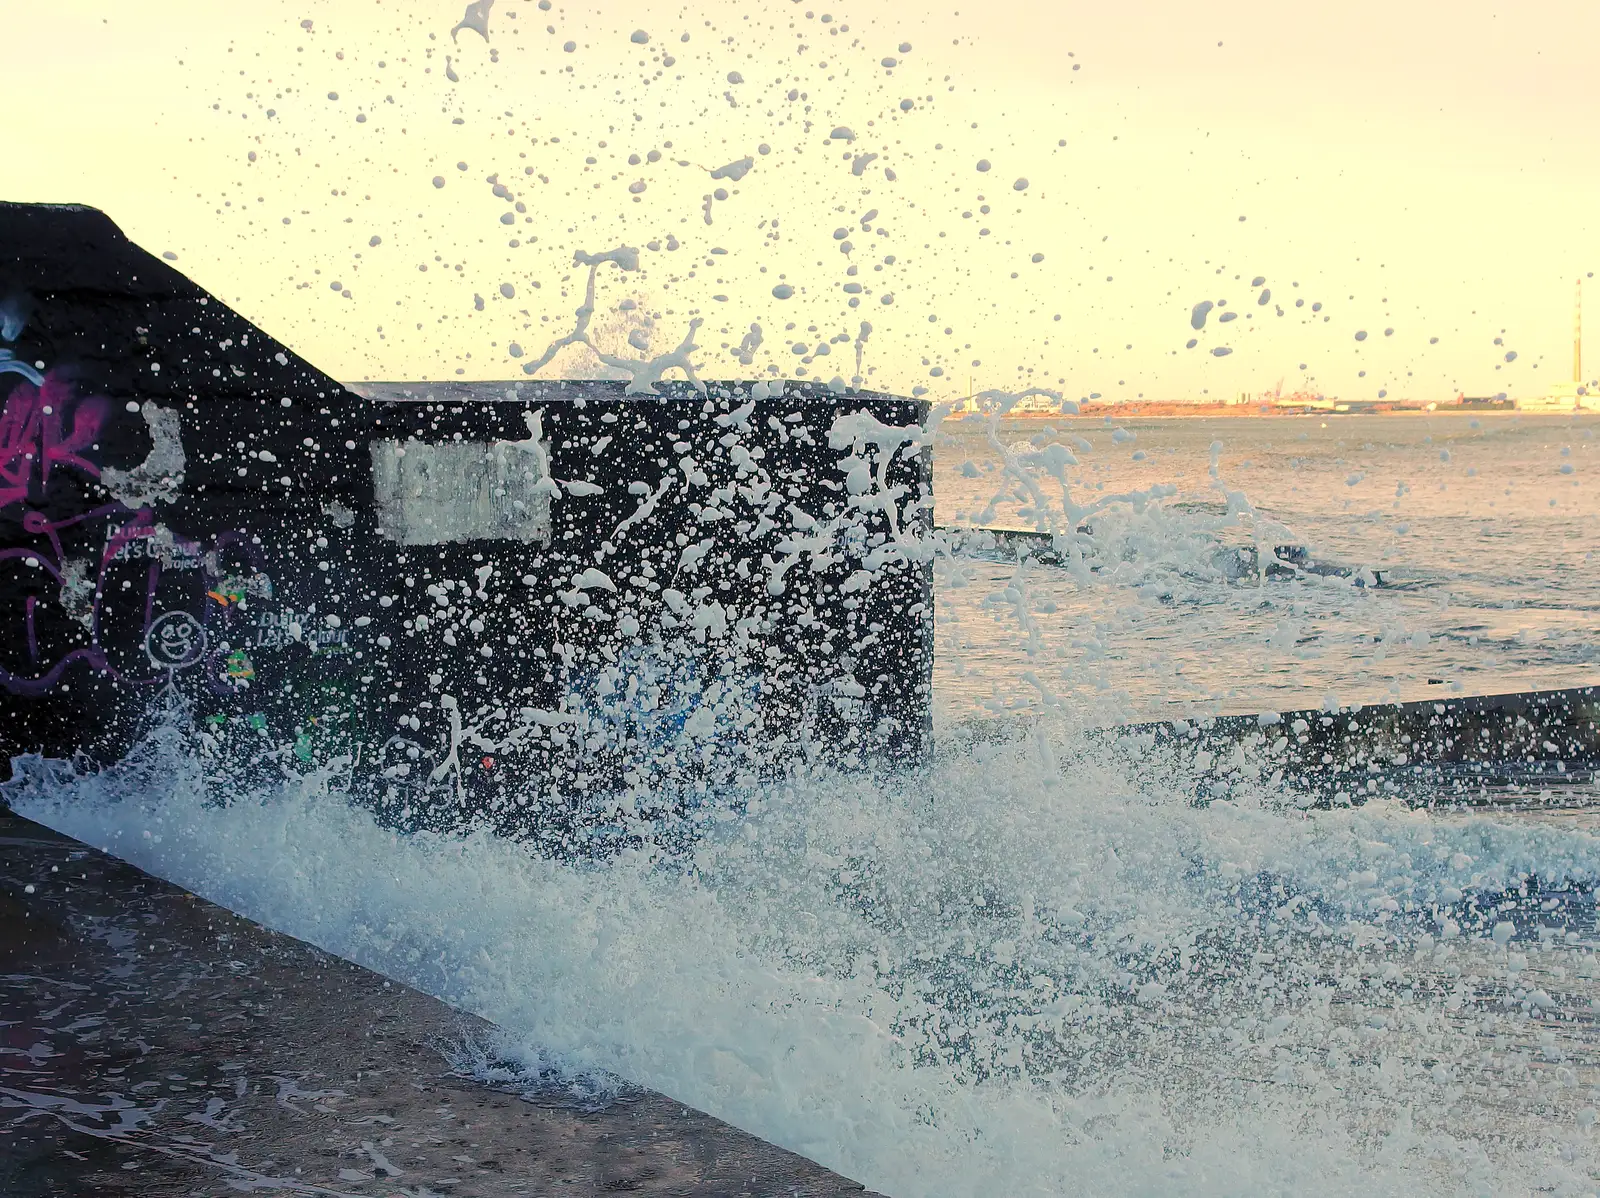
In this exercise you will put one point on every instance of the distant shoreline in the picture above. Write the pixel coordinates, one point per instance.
(1233, 412)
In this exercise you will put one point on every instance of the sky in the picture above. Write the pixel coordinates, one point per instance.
(1029, 194)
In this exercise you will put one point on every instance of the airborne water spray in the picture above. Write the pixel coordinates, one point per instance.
(1050, 962)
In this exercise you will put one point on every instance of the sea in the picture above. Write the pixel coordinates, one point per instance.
(1037, 966)
(1457, 556)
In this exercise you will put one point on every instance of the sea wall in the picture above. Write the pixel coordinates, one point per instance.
(569, 600)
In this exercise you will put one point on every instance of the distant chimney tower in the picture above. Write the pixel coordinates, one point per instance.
(1577, 336)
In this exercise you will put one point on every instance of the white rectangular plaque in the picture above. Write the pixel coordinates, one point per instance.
(433, 494)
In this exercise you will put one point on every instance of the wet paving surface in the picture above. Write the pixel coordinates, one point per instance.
(154, 1044)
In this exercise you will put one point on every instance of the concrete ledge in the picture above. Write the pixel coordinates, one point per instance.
(154, 1044)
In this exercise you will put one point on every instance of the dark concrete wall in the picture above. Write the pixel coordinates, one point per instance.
(1455, 749)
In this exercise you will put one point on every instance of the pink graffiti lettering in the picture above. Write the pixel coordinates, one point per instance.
(35, 437)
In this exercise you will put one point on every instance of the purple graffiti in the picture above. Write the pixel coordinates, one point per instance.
(20, 685)
(124, 530)
(36, 435)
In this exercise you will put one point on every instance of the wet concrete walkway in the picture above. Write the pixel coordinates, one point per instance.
(154, 1044)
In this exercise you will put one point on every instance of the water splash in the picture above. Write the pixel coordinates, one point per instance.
(642, 374)
(475, 18)
(1030, 969)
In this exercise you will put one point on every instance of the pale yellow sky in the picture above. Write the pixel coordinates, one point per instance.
(1420, 166)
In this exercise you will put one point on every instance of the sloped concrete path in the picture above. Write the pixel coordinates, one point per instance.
(154, 1044)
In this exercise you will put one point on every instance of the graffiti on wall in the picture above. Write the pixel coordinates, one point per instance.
(61, 564)
(11, 325)
(83, 587)
(44, 428)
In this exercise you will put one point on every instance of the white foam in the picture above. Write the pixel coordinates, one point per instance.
(1035, 969)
